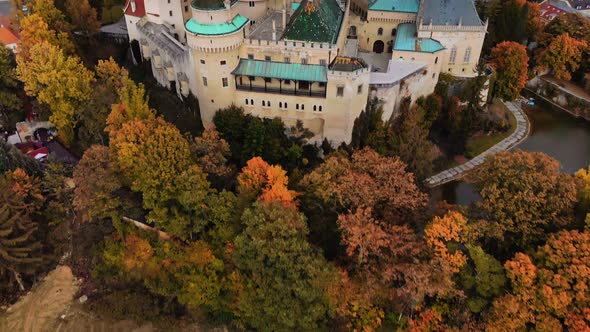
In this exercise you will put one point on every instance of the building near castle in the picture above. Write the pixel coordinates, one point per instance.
(317, 61)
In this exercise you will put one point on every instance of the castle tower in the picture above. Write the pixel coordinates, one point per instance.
(214, 36)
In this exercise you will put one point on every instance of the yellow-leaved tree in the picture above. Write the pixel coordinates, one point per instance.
(59, 81)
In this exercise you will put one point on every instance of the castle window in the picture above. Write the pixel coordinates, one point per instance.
(320, 108)
(436, 60)
(287, 59)
(267, 58)
(185, 9)
(204, 81)
(268, 103)
(393, 32)
(302, 107)
(251, 3)
(170, 12)
(433, 75)
(202, 61)
(222, 62)
(285, 105)
(380, 31)
(251, 101)
(359, 89)
(280, 104)
(303, 61)
(453, 55)
(168, 1)
(296, 106)
(246, 101)
(339, 91)
(263, 103)
(322, 62)
(315, 108)
(251, 56)
(224, 82)
(467, 55)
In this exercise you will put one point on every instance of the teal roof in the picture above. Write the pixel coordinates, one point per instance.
(321, 25)
(281, 70)
(295, 6)
(405, 40)
(402, 6)
(216, 29)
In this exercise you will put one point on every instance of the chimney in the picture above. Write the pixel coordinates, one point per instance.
(274, 30)
(133, 6)
(284, 15)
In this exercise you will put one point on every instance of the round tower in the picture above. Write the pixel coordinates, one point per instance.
(215, 36)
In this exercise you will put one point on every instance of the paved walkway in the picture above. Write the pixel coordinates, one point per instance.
(521, 132)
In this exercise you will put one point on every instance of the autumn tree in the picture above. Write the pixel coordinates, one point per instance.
(20, 247)
(35, 30)
(562, 56)
(583, 183)
(510, 61)
(524, 197)
(259, 180)
(97, 180)
(110, 81)
(83, 16)
(133, 105)
(549, 292)
(155, 160)
(212, 153)
(59, 81)
(50, 14)
(444, 234)
(9, 102)
(280, 274)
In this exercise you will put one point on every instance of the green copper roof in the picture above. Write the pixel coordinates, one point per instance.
(402, 6)
(405, 40)
(321, 25)
(281, 70)
(216, 29)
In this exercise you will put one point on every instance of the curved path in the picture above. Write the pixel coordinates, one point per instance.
(457, 172)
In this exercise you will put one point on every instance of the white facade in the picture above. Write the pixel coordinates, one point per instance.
(244, 53)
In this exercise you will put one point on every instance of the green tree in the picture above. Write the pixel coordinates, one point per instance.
(482, 278)
(12, 158)
(282, 280)
(9, 102)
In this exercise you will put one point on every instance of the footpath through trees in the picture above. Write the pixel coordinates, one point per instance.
(457, 172)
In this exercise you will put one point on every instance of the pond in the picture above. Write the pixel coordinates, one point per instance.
(554, 132)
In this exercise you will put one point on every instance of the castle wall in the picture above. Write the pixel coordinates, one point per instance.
(462, 38)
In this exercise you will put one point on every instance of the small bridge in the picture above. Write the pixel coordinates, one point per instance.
(519, 134)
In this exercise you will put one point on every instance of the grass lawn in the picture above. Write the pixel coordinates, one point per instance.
(111, 15)
(478, 144)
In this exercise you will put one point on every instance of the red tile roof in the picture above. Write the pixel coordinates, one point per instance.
(549, 11)
(7, 37)
(139, 8)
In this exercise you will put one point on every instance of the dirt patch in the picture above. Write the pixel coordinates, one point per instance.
(37, 310)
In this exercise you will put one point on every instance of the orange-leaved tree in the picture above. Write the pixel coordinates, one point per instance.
(265, 182)
(562, 56)
(510, 61)
(445, 231)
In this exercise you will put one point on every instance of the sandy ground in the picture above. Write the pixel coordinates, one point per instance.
(50, 306)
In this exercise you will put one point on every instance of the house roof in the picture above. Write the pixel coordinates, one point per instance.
(320, 25)
(405, 40)
(548, 11)
(7, 37)
(342, 63)
(139, 8)
(281, 70)
(402, 6)
(453, 12)
(217, 28)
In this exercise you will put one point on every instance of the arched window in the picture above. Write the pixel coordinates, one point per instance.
(280, 104)
(394, 32)
(246, 101)
(467, 55)
(251, 101)
(453, 55)
(380, 31)
(314, 108)
(268, 103)
(320, 108)
(263, 103)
